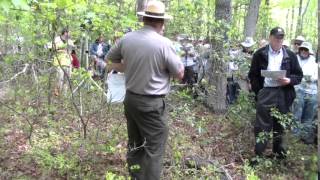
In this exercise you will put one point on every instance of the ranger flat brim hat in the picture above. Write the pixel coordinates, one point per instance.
(155, 9)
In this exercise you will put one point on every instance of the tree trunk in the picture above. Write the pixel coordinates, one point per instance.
(223, 10)
(287, 21)
(302, 16)
(318, 56)
(6, 37)
(266, 14)
(298, 28)
(141, 5)
(216, 99)
(251, 18)
(318, 49)
(292, 20)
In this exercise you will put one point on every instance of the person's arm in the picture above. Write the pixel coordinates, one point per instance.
(173, 63)
(114, 56)
(296, 73)
(93, 51)
(254, 73)
(180, 74)
(120, 67)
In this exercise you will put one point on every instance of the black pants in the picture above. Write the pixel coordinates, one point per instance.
(267, 99)
(147, 133)
(189, 76)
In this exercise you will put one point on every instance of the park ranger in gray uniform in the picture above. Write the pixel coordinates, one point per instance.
(148, 60)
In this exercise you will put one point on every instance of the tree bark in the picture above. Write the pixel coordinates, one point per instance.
(216, 99)
(266, 14)
(223, 10)
(302, 16)
(141, 5)
(287, 21)
(318, 56)
(318, 49)
(250, 23)
(292, 20)
(6, 37)
(299, 27)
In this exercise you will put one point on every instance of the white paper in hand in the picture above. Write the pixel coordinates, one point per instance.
(116, 88)
(273, 74)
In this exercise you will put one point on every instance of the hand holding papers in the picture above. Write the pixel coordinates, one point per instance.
(273, 74)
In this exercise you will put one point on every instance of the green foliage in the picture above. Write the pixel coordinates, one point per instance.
(49, 158)
(186, 94)
(58, 148)
(112, 176)
(286, 120)
(263, 137)
(242, 113)
(265, 22)
(135, 168)
(250, 172)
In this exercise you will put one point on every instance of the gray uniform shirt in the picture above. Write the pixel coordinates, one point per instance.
(149, 59)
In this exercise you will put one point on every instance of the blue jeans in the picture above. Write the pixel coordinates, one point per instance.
(304, 110)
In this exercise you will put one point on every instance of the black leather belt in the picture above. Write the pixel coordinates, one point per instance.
(274, 87)
(147, 95)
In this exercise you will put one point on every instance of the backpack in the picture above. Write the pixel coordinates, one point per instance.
(233, 89)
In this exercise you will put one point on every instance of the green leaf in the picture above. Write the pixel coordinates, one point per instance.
(49, 5)
(5, 5)
(2, 18)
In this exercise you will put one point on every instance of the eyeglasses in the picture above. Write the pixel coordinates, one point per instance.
(297, 44)
(304, 49)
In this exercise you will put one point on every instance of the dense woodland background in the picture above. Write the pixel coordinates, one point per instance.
(82, 136)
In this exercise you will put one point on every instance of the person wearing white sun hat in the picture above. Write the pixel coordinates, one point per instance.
(149, 60)
(247, 44)
(305, 105)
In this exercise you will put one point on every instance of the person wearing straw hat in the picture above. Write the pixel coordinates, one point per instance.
(62, 61)
(148, 62)
(305, 105)
(273, 92)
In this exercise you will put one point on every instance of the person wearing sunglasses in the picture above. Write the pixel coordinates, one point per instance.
(305, 105)
(297, 43)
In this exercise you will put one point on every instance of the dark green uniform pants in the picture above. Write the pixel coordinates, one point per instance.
(268, 98)
(147, 133)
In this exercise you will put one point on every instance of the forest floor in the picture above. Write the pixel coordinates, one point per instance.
(201, 144)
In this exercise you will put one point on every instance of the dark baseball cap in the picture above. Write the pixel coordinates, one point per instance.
(277, 32)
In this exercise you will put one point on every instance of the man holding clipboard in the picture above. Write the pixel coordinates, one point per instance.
(273, 73)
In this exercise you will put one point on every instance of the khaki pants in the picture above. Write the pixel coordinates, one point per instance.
(147, 133)
(63, 73)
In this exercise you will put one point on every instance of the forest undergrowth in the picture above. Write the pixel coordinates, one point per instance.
(84, 137)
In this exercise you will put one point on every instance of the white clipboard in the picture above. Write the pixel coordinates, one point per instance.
(273, 74)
